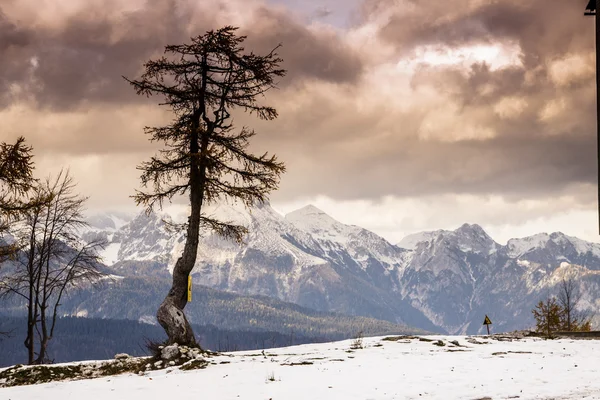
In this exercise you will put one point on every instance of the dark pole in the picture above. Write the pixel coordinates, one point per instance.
(591, 10)
(598, 105)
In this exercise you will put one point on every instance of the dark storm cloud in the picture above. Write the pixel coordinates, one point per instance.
(14, 55)
(527, 154)
(344, 140)
(85, 58)
(544, 30)
(306, 54)
(542, 27)
(85, 62)
(11, 35)
(481, 88)
(531, 168)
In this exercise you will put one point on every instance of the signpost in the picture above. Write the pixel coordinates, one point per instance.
(189, 293)
(487, 322)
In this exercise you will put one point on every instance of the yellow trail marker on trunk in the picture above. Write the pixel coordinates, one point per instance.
(189, 288)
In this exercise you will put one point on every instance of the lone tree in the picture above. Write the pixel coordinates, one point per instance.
(204, 156)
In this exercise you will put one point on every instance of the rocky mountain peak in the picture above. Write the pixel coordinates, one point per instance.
(412, 241)
(472, 230)
(307, 211)
(517, 247)
(313, 220)
(467, 238)
(108, 221)
(557, 236)
(472, 237)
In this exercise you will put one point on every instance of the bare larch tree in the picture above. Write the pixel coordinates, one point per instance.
(569, 297)
(204, 156)
(54, 261)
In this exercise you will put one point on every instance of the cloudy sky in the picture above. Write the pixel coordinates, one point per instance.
(396, 115)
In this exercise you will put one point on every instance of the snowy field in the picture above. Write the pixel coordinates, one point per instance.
(407, 369)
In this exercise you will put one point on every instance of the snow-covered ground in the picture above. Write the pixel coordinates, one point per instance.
(407, 369)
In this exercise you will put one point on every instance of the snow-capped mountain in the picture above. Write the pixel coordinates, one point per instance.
(455, 277)
(442, 280)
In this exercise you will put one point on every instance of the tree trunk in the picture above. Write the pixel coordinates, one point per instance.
(170, 314)
(29, 342)
(44, 336)
(31, 309)
(41, 359)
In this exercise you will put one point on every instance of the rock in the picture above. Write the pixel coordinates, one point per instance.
(474, 341)
(396, 338)
(122, 356)
(171, 363)
(158, 364)
(169, 352)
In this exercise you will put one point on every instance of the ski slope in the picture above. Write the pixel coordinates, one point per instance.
(529, 368)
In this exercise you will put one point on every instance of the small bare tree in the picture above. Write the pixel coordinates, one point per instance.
(569, 297)
(205, 157)
(55, 260)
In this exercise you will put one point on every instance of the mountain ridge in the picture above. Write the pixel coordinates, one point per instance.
(440, 280)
